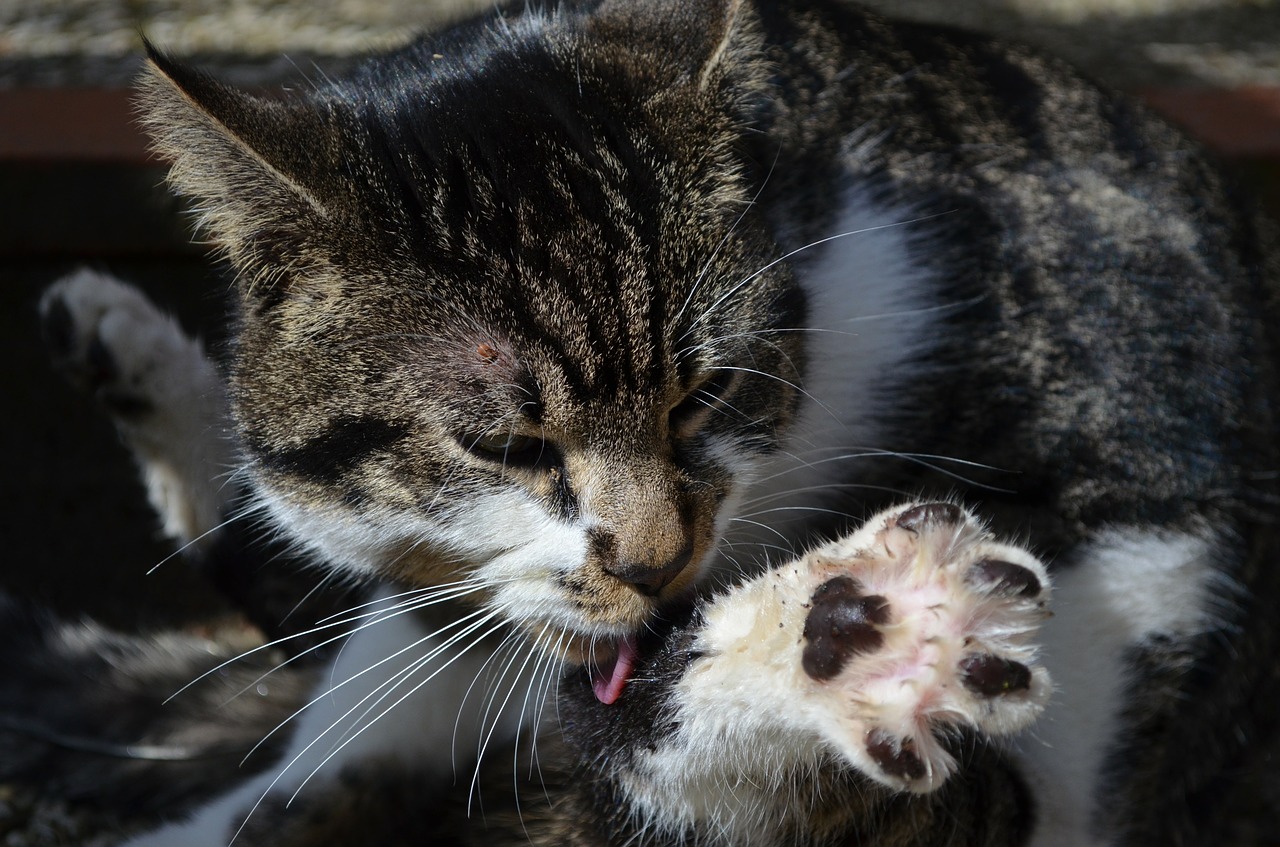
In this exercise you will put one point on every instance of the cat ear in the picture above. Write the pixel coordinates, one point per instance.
(249, 162)
(705, 37)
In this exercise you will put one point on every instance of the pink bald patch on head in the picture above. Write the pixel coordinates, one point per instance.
(485, 362)
(475, 371)
(491, 359)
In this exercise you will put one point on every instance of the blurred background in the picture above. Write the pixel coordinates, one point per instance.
(77, 187)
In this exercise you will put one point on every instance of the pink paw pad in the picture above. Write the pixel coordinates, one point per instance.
(922, 622)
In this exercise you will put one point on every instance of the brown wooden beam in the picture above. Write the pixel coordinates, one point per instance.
(70, 124)
(1241, 123)
(99, 125)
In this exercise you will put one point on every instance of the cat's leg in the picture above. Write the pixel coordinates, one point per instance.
(1123, 594)
(165, 397)
(168, 402)
(870, 652)
(83, 715)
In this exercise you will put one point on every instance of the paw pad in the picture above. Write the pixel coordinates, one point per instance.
(919, 622)
(111, 342)
(842, 624)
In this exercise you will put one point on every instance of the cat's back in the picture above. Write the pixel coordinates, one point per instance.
(1104, 292)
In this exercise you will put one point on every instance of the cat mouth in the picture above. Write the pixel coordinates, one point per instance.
(609, 661)
(609, 676)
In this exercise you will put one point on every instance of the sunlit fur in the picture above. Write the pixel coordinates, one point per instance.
(586, 306)
(612, 309)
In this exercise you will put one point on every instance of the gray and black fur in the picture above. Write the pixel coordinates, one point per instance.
(555, 210)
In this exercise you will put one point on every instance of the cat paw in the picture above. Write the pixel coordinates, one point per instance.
(919, 623)
(109, 340)
(165, 397)
(880, 646)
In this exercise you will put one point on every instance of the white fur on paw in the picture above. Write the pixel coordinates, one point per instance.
(883, 641)
(110, 339)
(165, 397)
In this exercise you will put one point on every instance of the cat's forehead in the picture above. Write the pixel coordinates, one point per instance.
(530, 188)
(561, 231)
(503, 100)
(518, 140)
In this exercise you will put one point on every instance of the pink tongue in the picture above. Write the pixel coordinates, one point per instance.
(608, 680)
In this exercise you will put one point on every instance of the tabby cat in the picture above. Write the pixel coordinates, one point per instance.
(581, 327)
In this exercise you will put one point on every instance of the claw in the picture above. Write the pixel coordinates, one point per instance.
(895, 757)
(929, 514)
(1003, 578)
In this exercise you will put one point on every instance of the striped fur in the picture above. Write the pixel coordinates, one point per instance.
(594, 304)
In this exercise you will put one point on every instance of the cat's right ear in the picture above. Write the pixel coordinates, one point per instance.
(248, 162)
(709, 39)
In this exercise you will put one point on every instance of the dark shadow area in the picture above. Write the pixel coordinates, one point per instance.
(78, 534)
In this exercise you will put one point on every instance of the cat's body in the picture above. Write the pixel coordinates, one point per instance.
(578, 305)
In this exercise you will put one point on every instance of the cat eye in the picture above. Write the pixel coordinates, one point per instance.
(508, 448)
(708, 396)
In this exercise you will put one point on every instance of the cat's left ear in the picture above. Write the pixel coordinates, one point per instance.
(703, 40)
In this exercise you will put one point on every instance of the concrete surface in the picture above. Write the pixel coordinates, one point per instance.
(96, 42)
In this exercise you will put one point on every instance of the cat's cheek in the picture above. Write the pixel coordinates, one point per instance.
(330, 532)
(387, 543)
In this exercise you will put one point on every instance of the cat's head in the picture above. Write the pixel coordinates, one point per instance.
(506, 312)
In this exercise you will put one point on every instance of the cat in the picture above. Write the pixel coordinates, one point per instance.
(577, 312)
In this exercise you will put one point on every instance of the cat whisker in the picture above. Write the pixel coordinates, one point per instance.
(414, 595)
(505, 646)
(372, 618)
(749, 336)
(755, 545)
(391, 685)
(396, 680)
(922, 459)
(941, 308)
(530, 652)
(280, 775)
(697, 283)
(510, 648)
(815, 510)
(183, 548)
(325, 581)
(443, 489)
(541, 669)
(548, 690)
(275, 643)
(754, 334)
(782, 380)
(333, 687)
(819, 242)
(880, 452)
(719, 405)
(746, 520)
(809, 489)
(920, 311)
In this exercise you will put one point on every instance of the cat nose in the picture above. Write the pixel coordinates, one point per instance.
(650, 579)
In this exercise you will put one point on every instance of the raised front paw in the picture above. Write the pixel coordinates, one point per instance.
(921, 622)
(164, 396)
(109, 340)
(885, 642)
